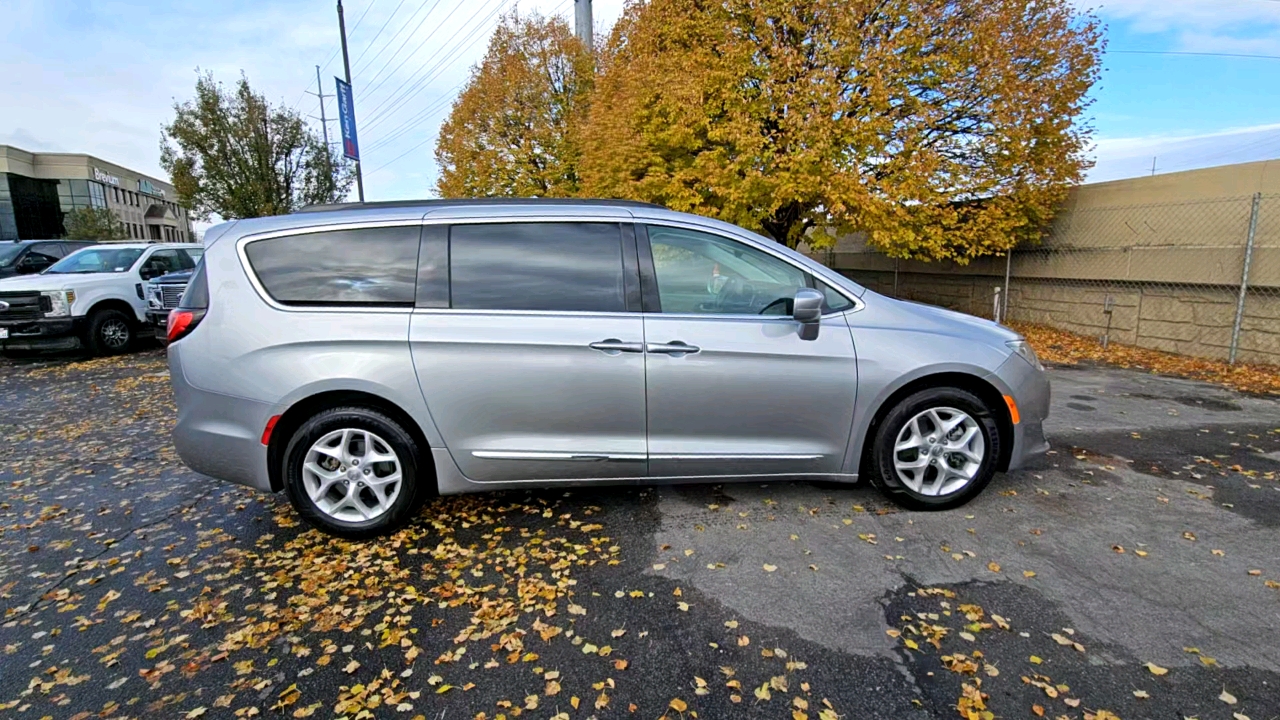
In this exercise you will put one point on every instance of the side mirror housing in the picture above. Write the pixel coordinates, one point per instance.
(807, 310)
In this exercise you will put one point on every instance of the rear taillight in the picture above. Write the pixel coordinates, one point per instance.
(182, 322)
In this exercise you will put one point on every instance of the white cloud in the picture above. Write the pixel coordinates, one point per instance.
(1153, 16)
(1132, 156)
(102, 78)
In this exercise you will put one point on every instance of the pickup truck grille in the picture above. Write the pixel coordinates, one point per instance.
(22, 307)
(170, 295)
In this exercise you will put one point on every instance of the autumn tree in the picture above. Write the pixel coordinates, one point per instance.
(98, 224)
(940, 128)
(231, 153)
(514, 129)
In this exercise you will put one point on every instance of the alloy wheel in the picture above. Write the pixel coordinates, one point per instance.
(115, 334)
(939, 451)
(352, 475)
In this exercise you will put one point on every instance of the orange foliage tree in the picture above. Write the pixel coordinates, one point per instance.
(514, 129)
(939, 128)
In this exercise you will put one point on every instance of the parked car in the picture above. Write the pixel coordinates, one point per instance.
(363, 358)
(163, 294)
(28, 257)
(91, 298)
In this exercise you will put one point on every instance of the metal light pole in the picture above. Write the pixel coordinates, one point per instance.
(346, 69)
(582, 21)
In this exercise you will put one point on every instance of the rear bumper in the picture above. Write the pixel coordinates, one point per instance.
(218, 435)
(1029, 388)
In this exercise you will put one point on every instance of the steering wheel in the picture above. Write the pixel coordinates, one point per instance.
(734, 293)
(780, 301)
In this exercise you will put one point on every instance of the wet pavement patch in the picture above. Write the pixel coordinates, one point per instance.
(1005, 649)
(130, 587)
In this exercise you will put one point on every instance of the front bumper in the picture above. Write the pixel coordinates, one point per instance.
(43, 334)
(1029, 388)
(158, 321)
(218, 435)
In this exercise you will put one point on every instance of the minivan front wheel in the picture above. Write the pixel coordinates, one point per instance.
(935, 450)
(353, 472)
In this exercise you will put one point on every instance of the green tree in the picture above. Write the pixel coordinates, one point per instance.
(514, 130)
(94, 224)
(232, 154)
(940, 128)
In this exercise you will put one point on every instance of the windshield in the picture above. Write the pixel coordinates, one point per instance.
(96, 260)
(7, 254)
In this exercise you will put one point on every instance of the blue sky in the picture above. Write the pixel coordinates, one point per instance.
(101, 77)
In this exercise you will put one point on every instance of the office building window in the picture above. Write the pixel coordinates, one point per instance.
(97, 195)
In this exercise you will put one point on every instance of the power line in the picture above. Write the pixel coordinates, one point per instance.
(426, 114)
(334, 54)
(436, 70)
(415, 147)
(379, 33)
(394, 99)
(1199, 54)
(413, 52)
(399, 47)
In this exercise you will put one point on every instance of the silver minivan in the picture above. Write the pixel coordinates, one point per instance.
(365, 357)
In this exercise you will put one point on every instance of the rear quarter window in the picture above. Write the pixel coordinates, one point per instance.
(364, 266)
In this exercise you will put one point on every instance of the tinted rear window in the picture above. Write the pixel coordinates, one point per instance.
(368, 266)
(537, 266)
(196, 296)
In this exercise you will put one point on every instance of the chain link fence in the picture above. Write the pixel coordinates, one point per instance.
(1196, 278)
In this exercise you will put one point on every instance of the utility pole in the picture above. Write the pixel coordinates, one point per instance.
(324, 124)
(582, 22)
(346, 69)
(1153, 167)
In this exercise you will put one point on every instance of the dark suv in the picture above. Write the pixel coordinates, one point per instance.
(27, 257)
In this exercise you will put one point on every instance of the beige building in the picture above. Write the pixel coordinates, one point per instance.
(38, 189)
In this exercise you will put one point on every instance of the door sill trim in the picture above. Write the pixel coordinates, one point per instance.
(748, 456)
(580, 457)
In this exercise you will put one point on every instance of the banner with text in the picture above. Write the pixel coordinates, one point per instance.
(347, 119)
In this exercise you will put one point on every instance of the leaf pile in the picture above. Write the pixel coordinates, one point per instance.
(1065, 348)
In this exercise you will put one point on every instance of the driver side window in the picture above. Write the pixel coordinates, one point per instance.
(160, 263)
(701, 273)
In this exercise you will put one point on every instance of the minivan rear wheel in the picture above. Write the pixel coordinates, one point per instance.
(353, 472)
(935, 450)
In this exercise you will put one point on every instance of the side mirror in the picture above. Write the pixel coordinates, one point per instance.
(807, 310)
(148, 272)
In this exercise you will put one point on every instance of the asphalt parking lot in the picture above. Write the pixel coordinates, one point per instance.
(1133, 573)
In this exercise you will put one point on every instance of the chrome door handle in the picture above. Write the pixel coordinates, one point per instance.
(675, 347)
(614, 346)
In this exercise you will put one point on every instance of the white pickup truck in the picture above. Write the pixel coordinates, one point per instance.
(92, 298)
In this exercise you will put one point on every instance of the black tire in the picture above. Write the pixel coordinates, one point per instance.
(880, 465)
(110, 332)
(416, 482)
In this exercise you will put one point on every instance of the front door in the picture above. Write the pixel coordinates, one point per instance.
(531, 360)
(732, 387)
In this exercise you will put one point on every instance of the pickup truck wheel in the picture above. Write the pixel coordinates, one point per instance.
(110, 332)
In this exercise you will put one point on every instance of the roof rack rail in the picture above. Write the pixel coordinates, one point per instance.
(455, 202)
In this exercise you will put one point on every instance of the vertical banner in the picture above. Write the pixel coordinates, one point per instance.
(347, 119)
